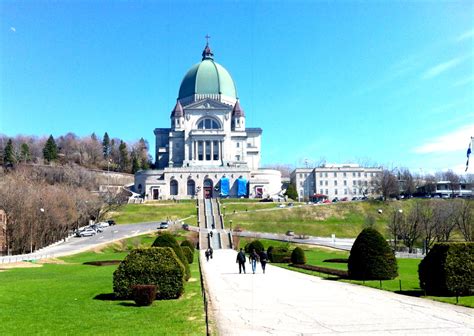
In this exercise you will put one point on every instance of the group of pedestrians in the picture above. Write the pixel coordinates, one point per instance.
(208, 253)
(254, 257)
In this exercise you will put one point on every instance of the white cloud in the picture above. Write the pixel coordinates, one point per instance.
(466, 35)
(464, 81)
(451, 142)
(442, 67)
(13, 29)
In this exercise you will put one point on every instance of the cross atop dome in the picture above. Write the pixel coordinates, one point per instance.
(207, 52)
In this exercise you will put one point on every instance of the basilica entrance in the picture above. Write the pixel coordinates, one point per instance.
(207, 188)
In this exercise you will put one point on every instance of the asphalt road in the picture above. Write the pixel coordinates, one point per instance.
(79, 244)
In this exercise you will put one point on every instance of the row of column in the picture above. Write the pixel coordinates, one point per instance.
(202, 148)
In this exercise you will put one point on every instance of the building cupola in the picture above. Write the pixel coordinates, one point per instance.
(238, 117)
(177, 116)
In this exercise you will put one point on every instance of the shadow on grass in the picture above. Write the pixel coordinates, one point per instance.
(413, 292)
(106, 297)
(128, 304)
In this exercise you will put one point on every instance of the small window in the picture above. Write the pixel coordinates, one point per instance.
(335, 182)
(345, 182)
(345, 174)
(321, 191)
(335, 191)
(327, 191)
(325, 174)
(238, 144)
(321, 174)
(237, 158)
(335, 174)
(320, 182)
(325, 182)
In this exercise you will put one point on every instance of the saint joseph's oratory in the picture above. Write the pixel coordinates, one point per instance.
(208, 151)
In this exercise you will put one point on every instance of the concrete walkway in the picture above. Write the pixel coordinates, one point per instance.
(283, 302)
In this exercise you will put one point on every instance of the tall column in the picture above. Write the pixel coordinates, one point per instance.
(211, 143)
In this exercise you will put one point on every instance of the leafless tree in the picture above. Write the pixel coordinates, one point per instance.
(417, 221)
(464, 219)
(386, 184)
(444, 219)
(408, 182)
(396, 224)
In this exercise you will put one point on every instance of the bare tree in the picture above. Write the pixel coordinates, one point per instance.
(396, 224)
(444, 219)
(408, 182)
(464, 219)
(453, 180)
(386, 183)
(417, 218)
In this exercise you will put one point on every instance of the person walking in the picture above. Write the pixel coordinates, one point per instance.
(207, 253)
(263, 259)
(241, 260)
(253, 260)
(211, 251)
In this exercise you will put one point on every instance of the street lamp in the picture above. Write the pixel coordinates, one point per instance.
(230, 223)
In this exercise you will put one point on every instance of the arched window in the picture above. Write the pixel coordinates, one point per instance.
(191, 188)
(174, 187)
(208, 123)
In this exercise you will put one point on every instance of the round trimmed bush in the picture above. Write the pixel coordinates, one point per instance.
(254, 245)
(150, 266)
(448, 269)
(168, 240)
(298, 257)
(188, 253)
(371, 257)
(188, 244)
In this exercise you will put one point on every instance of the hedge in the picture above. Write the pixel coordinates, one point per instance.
(448, 269)
(298, 257)
(144, 295)
(168, 240)
(254, 245)
(150, 266)
(188, 253)
(331, 271)
(188, 244)
(371, 257)
(279, 255)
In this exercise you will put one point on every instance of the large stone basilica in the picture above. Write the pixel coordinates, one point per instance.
(208, 151)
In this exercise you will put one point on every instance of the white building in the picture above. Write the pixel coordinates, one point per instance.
(208, 151)
(337, 180)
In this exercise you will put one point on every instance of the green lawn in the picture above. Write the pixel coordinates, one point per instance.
(59, 299)
(407, 269)
(156, 211)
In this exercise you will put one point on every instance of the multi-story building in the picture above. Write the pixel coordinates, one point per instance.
(445, 189)
(337, 180)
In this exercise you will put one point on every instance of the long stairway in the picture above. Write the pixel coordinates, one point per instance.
(211, 226)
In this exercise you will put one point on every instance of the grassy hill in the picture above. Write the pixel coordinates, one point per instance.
(345, 219)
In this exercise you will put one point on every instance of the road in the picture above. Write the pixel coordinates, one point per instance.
(79, 244)
(283, 302)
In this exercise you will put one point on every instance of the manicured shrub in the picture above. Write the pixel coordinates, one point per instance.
(448, 269)
(144, 295)
(280, 254)
(168, 240)
(298, 257)
(150, 266)
(330, 271)
(371, 257)
(188, 253)
(256, 244)
(188, 244)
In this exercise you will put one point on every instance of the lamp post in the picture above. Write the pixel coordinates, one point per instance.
(230, 223)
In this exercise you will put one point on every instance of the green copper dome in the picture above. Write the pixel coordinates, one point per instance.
(207, 78)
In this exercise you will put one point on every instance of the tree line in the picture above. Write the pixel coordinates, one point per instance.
(90, 151)
(44, 204)
(430, 221)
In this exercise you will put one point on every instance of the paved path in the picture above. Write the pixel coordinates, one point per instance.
(283, 302)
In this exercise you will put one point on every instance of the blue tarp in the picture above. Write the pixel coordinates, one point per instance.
(225, 186)
(241, 187)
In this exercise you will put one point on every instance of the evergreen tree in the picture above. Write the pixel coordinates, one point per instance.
(106, 146)
(135, 164)
(25, 152)
(8, 154)
(123, 156)
(50, 150)
(291, 192)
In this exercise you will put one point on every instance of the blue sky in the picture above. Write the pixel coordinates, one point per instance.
(345, 81)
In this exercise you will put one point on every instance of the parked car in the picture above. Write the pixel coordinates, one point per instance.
(88, 232)
(344, 199)
(281, 205)
(111, 222)
(290, 233)
(291, 204)
(163, 225)
(96, 227)
(103, 224)
(326, 201)
(335, 199)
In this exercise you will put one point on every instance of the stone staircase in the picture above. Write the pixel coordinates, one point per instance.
(211, 220)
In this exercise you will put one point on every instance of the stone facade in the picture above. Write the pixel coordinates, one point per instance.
(338, 180)
(208, 151)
